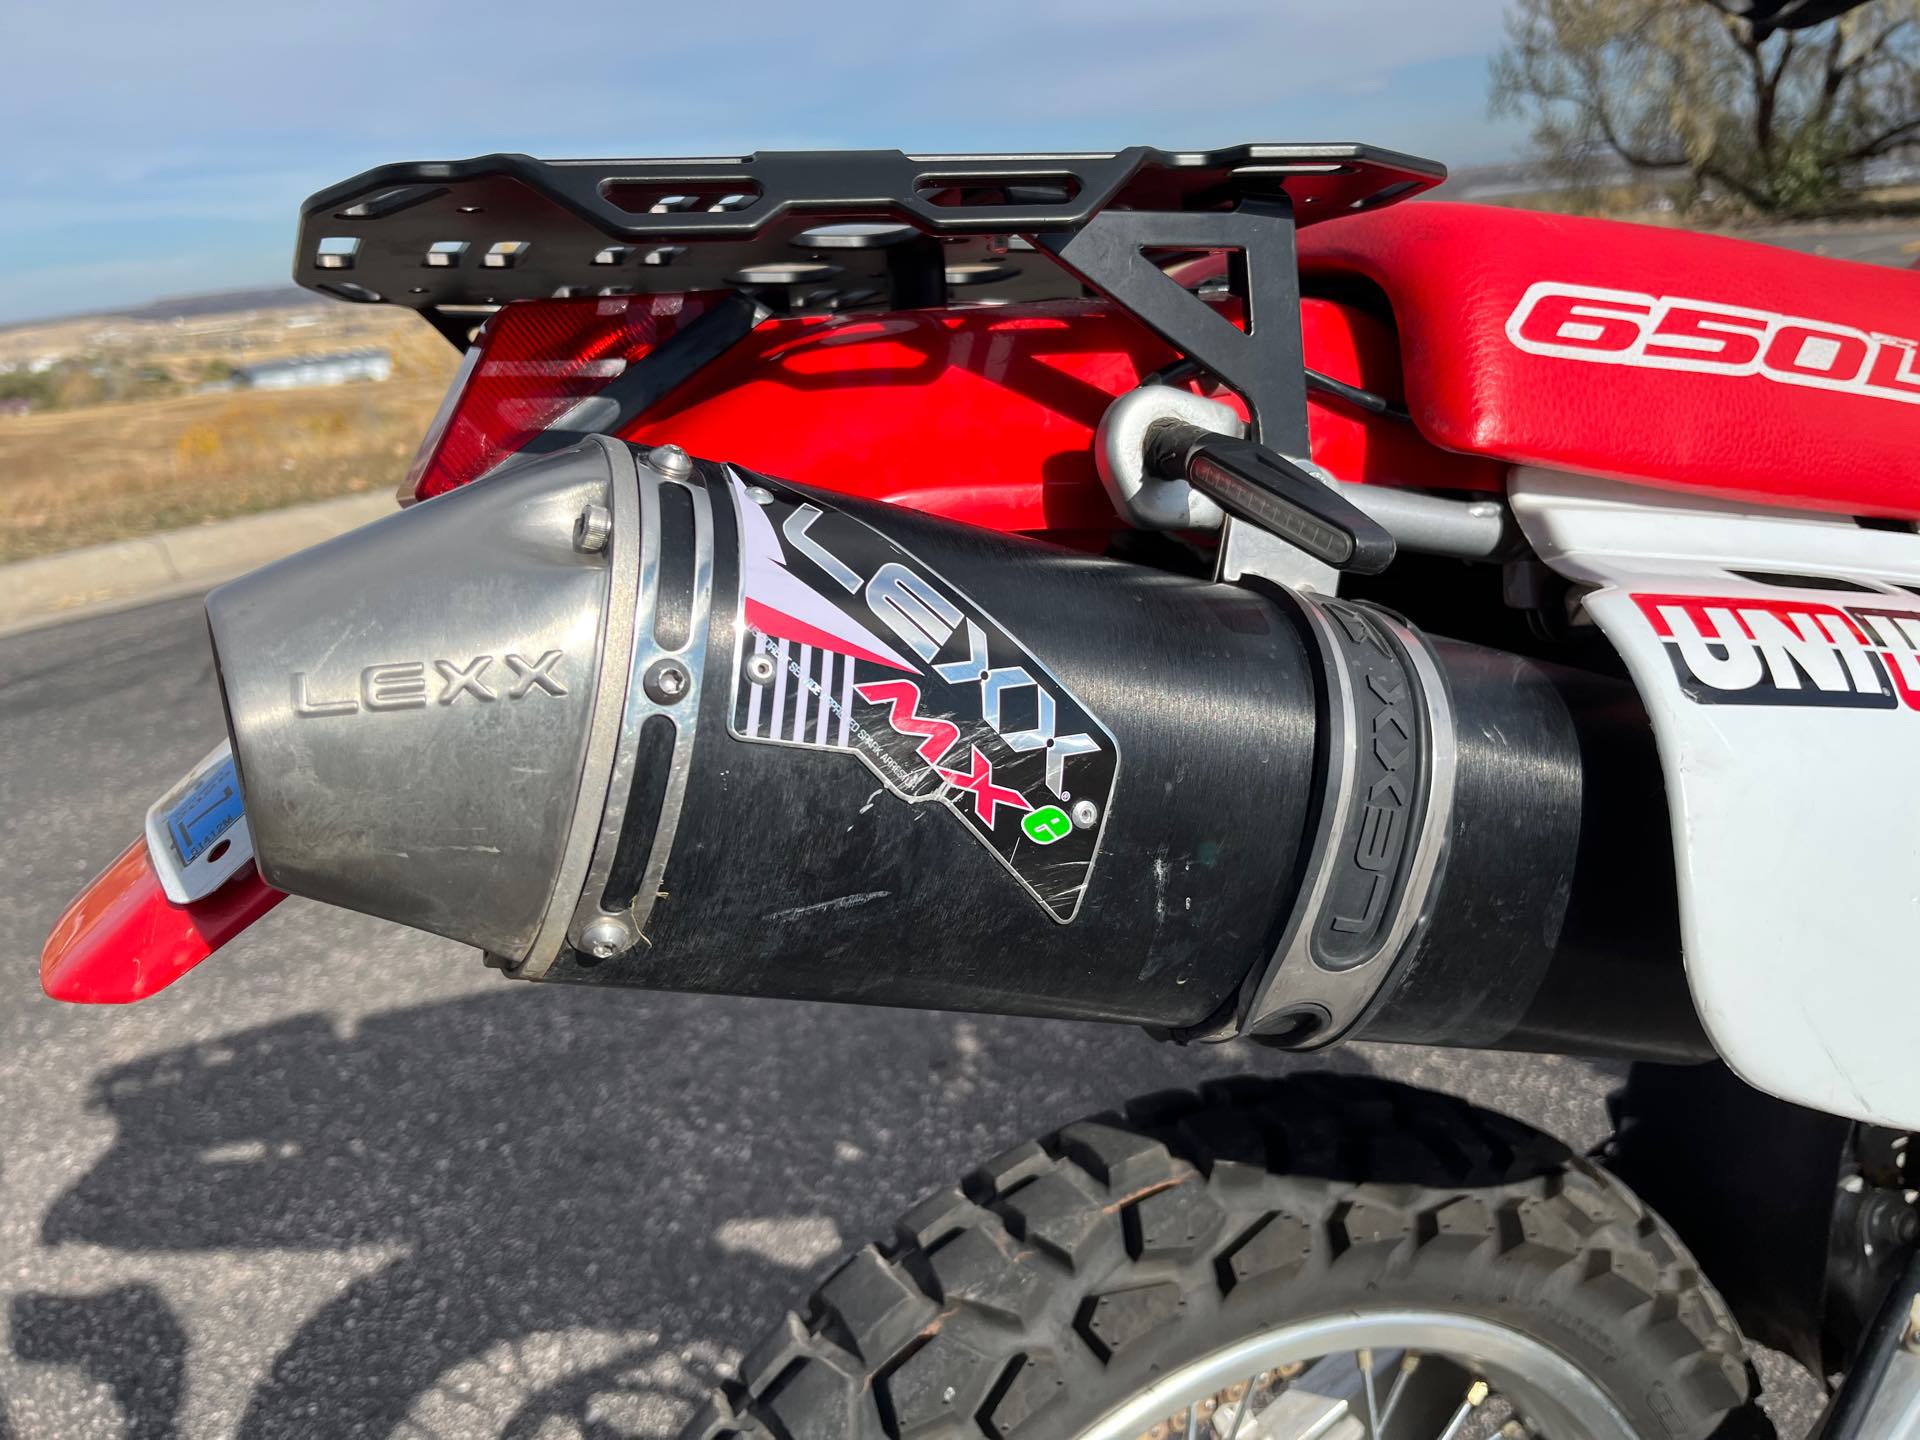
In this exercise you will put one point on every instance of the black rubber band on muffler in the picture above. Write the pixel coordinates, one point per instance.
(1385, 746)
(1371, 861)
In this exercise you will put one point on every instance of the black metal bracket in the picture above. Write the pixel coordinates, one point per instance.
(1261, 363)
(649, 379)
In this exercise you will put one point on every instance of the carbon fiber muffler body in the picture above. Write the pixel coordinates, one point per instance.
(623, 719)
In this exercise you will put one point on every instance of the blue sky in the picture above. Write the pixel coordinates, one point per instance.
(163, 149)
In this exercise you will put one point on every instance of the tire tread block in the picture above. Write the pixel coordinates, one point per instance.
(1190, 1209)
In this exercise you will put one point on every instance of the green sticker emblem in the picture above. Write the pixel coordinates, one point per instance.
(1046, 825)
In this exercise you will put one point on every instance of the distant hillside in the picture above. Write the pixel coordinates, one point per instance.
(188, 307)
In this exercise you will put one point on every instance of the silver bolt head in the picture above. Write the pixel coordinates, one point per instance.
(760, 668)
(671, 461)
(759, 494)
(605, 939)
(1085, 813)
(666, 682)
(592, 529)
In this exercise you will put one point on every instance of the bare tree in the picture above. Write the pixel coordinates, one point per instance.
(1779, 118)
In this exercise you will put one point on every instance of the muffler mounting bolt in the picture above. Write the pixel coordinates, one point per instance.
(1085, 812)
(671, 461)
(760, 667)
(593, 529)
(666, 682)
(605, 939)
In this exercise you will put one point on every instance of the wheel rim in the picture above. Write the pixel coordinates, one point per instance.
(1477, 1366)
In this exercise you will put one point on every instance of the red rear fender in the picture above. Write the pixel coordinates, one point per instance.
(122, 939)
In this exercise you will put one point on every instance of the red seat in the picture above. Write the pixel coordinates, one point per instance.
(1658, 356)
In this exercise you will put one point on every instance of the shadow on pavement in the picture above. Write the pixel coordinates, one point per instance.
(600, 1200)
(126, 1339)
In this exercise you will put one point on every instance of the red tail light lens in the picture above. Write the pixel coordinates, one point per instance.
(122, 938)
(532, 361)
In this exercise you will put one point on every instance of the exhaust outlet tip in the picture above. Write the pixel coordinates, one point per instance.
(411, 704)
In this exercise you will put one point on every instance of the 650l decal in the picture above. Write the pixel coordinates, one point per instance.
(849, 643)
(1707, 337)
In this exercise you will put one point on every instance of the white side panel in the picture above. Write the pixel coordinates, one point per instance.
(1788, 723)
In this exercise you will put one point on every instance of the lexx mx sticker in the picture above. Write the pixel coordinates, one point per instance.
(849, 643)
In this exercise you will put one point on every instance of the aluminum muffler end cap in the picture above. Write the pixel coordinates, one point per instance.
(412, 704)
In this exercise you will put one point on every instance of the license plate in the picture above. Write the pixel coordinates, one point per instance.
(197, 832)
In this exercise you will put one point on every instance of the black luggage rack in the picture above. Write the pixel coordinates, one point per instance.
(851, 230)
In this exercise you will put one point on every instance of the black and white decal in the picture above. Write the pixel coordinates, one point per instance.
(850, 643)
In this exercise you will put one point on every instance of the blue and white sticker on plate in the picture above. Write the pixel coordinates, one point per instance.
(197, 835)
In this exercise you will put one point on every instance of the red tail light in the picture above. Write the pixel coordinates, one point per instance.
(122, 938)
(532, 361)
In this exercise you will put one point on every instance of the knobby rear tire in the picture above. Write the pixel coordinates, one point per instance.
(1070, 1273)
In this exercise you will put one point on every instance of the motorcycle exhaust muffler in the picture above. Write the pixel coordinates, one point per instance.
(621, 718)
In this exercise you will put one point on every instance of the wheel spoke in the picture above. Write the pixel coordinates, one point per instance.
(1476, 1397)
(1240, 1410)
(1364, 1358)
(1408, 1363)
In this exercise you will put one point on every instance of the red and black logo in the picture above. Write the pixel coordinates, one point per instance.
(1747, 650)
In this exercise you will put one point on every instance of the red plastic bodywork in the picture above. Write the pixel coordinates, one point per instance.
(1455, 274)
(980, 414)
(122, 939)
(987, 415)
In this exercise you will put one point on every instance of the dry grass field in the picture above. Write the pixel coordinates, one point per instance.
(104, 472)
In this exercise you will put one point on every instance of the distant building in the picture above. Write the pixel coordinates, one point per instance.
(304, 371)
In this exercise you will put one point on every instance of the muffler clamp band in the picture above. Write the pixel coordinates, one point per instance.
(1383, 820)
(663, 693)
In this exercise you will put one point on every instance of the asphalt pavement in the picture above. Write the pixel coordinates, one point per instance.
(342, 1180)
